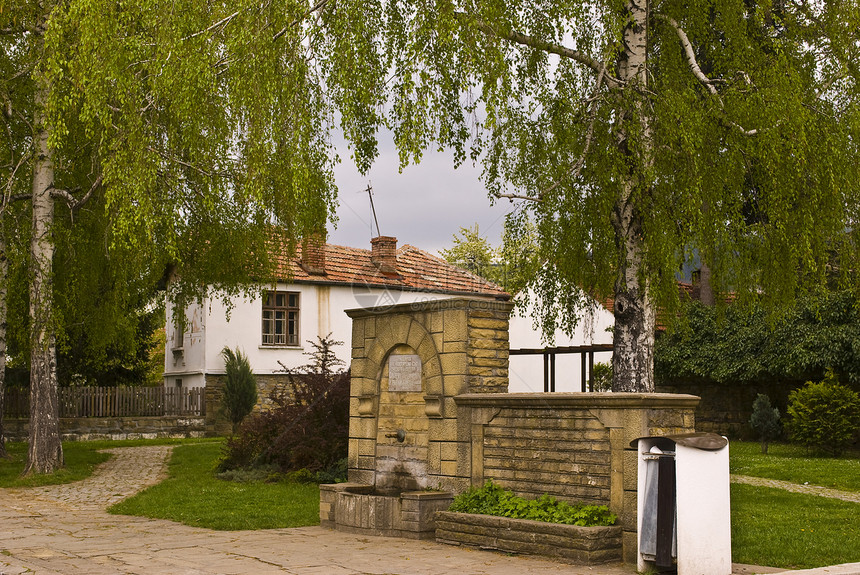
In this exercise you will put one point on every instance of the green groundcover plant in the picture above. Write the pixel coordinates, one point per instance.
(492, 499)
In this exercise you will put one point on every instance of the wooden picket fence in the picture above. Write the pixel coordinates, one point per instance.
(114, 401)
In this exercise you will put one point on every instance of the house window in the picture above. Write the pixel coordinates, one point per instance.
(178, 335)
(281, 318)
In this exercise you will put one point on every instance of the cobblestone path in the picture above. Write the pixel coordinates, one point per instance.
(129, 471)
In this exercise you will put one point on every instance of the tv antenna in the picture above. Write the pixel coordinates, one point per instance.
(369, 191)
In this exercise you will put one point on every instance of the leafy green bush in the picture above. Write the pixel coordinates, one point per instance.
(308, 427)
(765, 420)
(240, 388)
(492, 499)
(745, 346)
(824, 415)
(602, 376)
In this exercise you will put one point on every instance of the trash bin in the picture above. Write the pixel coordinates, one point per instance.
(683, 504)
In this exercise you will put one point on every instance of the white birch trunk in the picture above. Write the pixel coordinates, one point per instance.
(633, 358)
(45, 453)
(4, 274)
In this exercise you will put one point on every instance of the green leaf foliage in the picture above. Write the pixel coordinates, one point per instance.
(824, 415)
(209, 127)
(511, 265)
(492, 499)
(754, 169)
(745, 345)
(472, 252)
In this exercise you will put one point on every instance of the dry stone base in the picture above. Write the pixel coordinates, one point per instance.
(352, 508)
(568, 543)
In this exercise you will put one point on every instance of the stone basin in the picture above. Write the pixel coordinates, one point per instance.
(358, 508)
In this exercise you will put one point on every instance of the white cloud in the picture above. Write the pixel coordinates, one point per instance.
(425, 205)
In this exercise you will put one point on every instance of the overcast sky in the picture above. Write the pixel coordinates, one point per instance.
(424, 206)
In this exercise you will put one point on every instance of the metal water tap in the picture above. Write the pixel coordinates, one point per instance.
(400, 435)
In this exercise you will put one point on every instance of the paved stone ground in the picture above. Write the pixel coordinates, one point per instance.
(63, 530)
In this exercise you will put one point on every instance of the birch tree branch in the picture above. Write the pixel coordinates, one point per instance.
(223, 21)
(703, 79)
(75, 203)
(543, 45)
(7, 195)
(518, 197)
(319, 5)
(691, 56)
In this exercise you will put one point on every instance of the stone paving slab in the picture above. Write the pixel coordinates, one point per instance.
(64, 530)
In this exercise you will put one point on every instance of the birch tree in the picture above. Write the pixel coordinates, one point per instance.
(4, 273)
(199, 130)
(635, 131)
(641, 132)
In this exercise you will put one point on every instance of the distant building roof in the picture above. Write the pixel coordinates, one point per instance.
(412, 269)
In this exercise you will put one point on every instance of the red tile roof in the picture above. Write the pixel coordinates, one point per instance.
(417, 270)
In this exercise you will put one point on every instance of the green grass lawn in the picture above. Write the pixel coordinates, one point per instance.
(792, 463)
(81, 459)
(781, 529)
(194, 496)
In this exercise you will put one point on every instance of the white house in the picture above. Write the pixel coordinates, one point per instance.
(324, 280)
(527, 372)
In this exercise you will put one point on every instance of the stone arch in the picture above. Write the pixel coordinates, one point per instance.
(400, 416)
(404, 330)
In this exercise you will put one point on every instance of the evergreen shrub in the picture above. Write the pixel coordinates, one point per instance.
(765, 421)
(240, 387)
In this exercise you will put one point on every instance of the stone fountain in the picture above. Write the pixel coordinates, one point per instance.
(407, 452)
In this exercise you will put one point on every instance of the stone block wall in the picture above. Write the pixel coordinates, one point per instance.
(96, 428)
(216, 422)
(575, 446)
(726, 408)
(441, 418)
(569, 543)
(267, 384)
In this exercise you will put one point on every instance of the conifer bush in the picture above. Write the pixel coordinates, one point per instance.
(824, 416)
(240, 387)
(765, 421)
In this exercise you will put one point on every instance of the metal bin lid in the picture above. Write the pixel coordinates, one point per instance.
(699, 440)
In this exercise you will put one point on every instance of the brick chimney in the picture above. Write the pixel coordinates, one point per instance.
(384, 254)
(313, 254)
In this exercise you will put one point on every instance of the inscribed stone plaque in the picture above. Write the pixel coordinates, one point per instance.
(404, 373)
